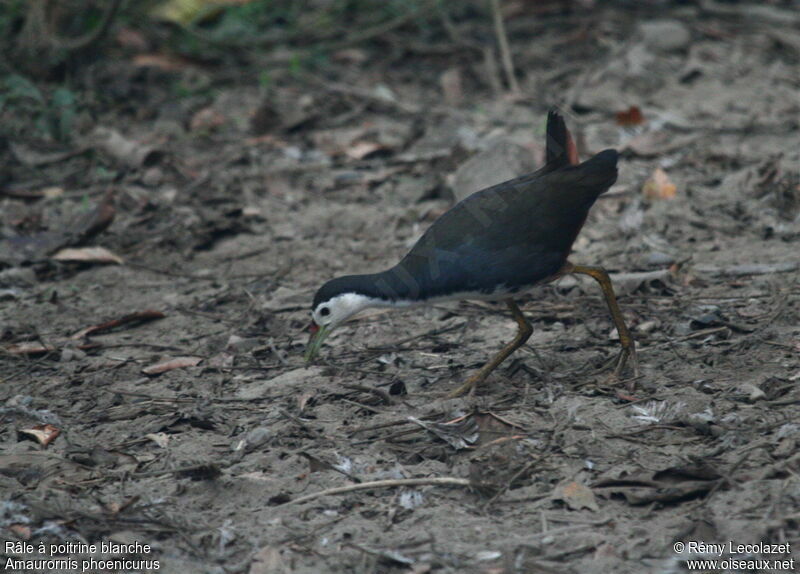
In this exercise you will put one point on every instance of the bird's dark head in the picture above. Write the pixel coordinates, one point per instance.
(334, 303)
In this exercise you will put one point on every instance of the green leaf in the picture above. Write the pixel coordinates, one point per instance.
(18, 87)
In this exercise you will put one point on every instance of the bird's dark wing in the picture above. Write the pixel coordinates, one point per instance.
(514, 234)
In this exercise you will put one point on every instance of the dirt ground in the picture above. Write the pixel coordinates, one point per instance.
(235, 202)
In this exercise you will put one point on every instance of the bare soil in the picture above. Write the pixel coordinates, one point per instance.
(259, 196)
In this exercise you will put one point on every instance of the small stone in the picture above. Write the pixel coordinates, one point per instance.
(242, 344)
(17, 277)
(659, 259)
(665, 35)
(19, 401)
(71, 354)
(257, 437)
(8, 294)
(502, 161)
(648, 326)
(152, 176)
(752, 391)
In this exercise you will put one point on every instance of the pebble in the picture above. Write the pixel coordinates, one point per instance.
(257, 437)
(71, 354)
(18, 277)
(152, 176)
(242, 344)
(648, 326)
(659, 259)
(665, 35)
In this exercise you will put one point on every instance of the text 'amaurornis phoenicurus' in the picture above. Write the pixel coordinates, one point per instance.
(495, 244)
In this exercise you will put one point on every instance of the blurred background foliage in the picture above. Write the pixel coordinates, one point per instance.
(41, 36)
(50, 50)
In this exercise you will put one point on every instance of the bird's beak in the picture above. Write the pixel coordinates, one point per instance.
(318, 334)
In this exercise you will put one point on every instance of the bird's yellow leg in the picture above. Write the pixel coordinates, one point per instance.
(628, 352)
(523, 334)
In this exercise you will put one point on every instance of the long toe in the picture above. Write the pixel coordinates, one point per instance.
(627, 356)
(467, 387)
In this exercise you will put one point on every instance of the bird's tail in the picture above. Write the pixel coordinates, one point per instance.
(560, 150)
(599, 172)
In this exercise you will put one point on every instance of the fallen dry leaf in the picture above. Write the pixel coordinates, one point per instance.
(303, 399)
(123, 149)
(452, 86)
(176, 363)
(222, 360)
(659, 186)
(161, 61)
(29, 348)
(206, 119)
(268, 560)
(87, 255)
(656, 143)
(21, 531)
(131, 39)
(361, 150)
(79, 229)
(186, 12)
(35, 157)
(44, 434)
(577, 496)
(140, 317)
(631, 117)
(350, 56)
(160, 438)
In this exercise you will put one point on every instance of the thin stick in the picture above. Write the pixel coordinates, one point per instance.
(516, 476)
(505, 51)
(441, 481)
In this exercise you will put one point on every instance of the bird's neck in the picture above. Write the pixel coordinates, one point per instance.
(385, 289)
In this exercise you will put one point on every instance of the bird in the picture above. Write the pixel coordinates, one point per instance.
(496, 244)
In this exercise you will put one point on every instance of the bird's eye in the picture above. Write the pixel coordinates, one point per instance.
(324, 311)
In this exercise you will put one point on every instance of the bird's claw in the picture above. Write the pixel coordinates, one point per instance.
(467, 388)
(626, 355)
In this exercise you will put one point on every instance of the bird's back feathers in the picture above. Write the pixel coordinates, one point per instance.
(506, 238)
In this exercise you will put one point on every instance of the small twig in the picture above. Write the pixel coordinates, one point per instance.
(362, 406)
(170, 272)
(392, 424)
(749, 269)
(380, 29)
(368, 95)
(695, 335)
(647, 429)
(492, 73)
(164, 471)
(440, 481)
(505, 51)
(517, 475)
(312, 431)
(138, 317)
(380, 393)
(361, 35)
(314, 460)
(425, 335)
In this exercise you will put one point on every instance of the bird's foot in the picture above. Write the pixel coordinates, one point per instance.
(468, 387)
(626, 355)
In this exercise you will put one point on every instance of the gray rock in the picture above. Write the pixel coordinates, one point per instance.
(298, 378)
(501, 161)
(17, 277)
(659, 259)
(665, 35)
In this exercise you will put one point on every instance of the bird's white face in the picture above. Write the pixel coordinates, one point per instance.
(340, 308)
(328, 314)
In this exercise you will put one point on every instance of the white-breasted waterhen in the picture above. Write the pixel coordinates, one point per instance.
(495, 244)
